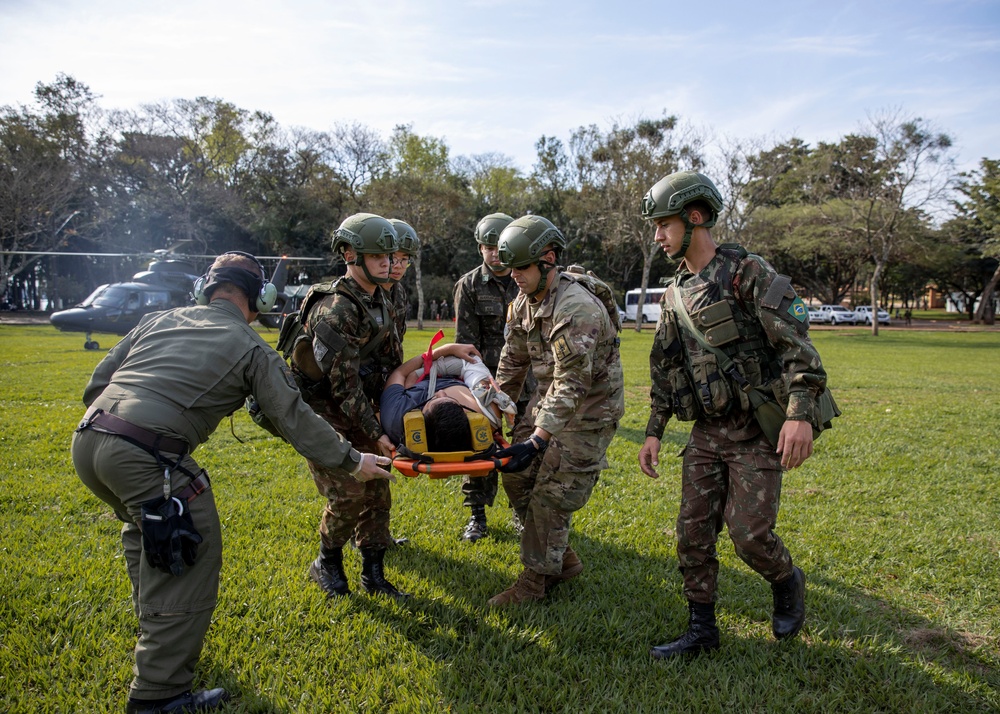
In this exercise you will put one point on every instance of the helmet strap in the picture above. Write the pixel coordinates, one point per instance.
(686, 242)
(544, 267)
(359, 259)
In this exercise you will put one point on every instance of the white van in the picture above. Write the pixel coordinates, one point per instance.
(650, 311)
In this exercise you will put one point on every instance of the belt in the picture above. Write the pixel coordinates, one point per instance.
(197, 487)
(100, 420)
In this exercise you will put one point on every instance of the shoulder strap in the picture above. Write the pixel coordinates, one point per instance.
(756, 398)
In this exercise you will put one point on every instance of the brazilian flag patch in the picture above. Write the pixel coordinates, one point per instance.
(798, 310)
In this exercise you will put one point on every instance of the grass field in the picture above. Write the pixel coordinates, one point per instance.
(894, 519)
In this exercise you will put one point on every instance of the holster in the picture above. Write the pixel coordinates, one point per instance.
(169, 538)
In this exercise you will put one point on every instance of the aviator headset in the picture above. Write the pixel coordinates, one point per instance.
(258, 288)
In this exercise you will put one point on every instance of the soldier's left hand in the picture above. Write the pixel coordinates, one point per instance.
(385, 446)
(795, 443)
(521, 455)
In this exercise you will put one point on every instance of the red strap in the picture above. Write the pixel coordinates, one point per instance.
(429, 354)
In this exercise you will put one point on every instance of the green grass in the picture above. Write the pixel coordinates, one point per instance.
(894, 520)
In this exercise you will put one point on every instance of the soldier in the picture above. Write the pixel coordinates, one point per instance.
(407, 246)
(481, 299)
(731, 473)
(152, 400)
(560, 330)
(348, 349)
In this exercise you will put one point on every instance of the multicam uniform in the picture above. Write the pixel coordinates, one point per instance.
(731, 473)
(568, 341)
(177, 375)
(481, 301)
(341, 323)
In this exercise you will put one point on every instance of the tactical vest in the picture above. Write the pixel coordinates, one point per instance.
(700, 389)
(296, 340)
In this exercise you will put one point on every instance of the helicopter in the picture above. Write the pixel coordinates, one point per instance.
(116, 308)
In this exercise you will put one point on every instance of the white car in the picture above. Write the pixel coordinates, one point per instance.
(864, 314)
(839, 315)
(818, 317)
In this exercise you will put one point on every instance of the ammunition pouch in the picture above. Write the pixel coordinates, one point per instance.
(169, 538)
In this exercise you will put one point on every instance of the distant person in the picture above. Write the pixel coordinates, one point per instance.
(445, 311)
(561, 331)
(155, 397)
(731, 474)
(435, 315)
(907, 316)
(481, 299)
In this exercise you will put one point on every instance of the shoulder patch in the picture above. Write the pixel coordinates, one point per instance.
(776, 291)
(563, 349)
(798, 310)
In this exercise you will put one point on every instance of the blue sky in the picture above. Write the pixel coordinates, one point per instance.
(495, 75)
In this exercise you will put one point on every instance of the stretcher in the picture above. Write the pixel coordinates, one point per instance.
(412, 459)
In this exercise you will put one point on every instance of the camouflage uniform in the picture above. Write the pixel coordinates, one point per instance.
(347, 398)
(398, 304)
(481, 301)
(568, 341)
(731, 473)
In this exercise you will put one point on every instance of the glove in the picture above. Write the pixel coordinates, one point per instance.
(169, 538)
(521, 454)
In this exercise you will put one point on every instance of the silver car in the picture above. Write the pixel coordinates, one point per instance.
(839, 315)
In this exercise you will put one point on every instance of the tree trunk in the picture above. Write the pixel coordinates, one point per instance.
(986, 314)
(873, 288)
(418, 277)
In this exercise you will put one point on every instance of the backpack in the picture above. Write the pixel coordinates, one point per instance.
(600, 290)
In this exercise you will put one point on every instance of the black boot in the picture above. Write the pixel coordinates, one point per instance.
(789, 605)
(205, 700)
(476, 527)
(373, 574)
(328, 571)
(702, 634)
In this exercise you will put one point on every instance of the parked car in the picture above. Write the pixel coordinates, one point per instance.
(818, 317)
(839, 315)
(864, 314)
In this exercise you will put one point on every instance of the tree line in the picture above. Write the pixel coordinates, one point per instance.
(883, 208)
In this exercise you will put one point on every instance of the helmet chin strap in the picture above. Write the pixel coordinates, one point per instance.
(544, 267)
(686, 242)
(360, 260)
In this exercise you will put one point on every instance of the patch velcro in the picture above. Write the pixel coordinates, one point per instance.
(779, 286)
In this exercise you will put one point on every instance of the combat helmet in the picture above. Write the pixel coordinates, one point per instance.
(490, 227)
(406, 238)
(365, 233)
(523, 241)
(670, 195)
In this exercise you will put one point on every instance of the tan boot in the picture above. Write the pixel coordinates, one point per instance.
(572, 566)
(529, 586)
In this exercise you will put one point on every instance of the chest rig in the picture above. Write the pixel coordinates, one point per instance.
(311, 350)
(700, 388)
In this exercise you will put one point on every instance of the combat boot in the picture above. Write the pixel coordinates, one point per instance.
(476, 527)
(201, 701)
(702, 635)
(328, 571)
(571, 567)
(789, 605)
(529, 587)
(373, 574)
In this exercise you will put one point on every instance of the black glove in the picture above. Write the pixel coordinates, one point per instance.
(169, 538)
(521, 454)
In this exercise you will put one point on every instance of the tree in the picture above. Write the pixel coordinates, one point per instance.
(615, 168)
(979, 220)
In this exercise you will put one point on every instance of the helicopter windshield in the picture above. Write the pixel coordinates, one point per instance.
(106, 296)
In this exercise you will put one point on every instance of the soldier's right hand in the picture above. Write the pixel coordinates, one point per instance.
(649, 457)
(374, 467)
(385, 446)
